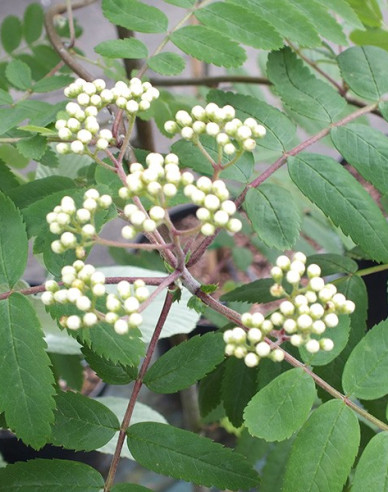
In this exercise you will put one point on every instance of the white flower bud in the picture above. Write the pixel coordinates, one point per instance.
(47, 298)
(171, 126)
(187, 133)
(83, 303)
(246, 319)
(263, 349)
(55, 228)
(89, 319)
(251, 360)
(64, 134)
(249, 144)
(289, 326)
(91, 111)
(170, 190)
(296, 340)
(63, 148)
(293, 277)
(132, 107)
(99, 290)
(304, 322)
(222, 138)
(211, 109)
(313, 270)
(325, 294)
(240, 352)
(211, 202)
(61, 124)
(229, 349)
(111, 318)
(277, 319)
(73, 322)
(61, 296)
(331, 320)
(243, 132)
(326, 344)
(63, 218)
(121, 327)
(234, 226)
(199, 113)
(266, 326)
(106, 96)
(72, 108)
(229, 207)
(259, 131)
(68, 239)
(311, 296)
(283, 262)
(287, 308)
(221, 218)
(124, 289)
(276, 273)
(128, 232)
(135, 320)
(229, 149)
(99, 84)
(157, 213)
(208, 229)
(239, 335)
(91, 124)
(90, 204)
(77, 147)
(318, 327)
(204, 184)
(297, 266)
(131, 304)
(349, 307)
(105, 201)
(149, 225)
(106, 134)
(317, 310)
(277, 355)
(102, 144)
(138, 217)
(339, 301)
(254, 335)
(88, 230)
(142, 293)
(183, 118)
(212, 129)
(257, 320)
(229, 112)
(83, 99)
(73, 294)
(83, 215)
(199, 127)
(228, 336)
(96, 100)
(312, 346)
(112, 303)
(316, 284)
(144, 105)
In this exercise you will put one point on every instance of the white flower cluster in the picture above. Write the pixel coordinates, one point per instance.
(76, 226)
(250, 345)
(123, 307)
(216, 209)
(82, 285)
(230, 132)
(310, 309)
(82, 128)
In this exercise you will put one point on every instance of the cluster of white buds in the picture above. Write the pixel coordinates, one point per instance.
(81, 128)
(216, 209)
(122, 308)
(310, 309)
(250, 344)
(230, 132)
(82, 285)
(76, 225)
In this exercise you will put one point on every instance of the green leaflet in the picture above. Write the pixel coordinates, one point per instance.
(275, 466)
(134, 15)
(11, 33)
(208, 46)
(26, 383)
(33, 22)
(332, 263)
(54, 83)
(209, 391)
(7, 178)
(323, 22)
(281, 407)
(371, 471)
(19, 75)
(13, 242)
(366, 149)
(344, 10)
(365, 372)
(185, 364)
(196, 459)
(32, 147)
(327, 184)
(111, 373)
(238, 386)
(300, 90)
(368, 12)
(371, 37)
(365, 71)
(256, 291)
(240, 24)
(122, 48)
(324, 450)
(167, 63)
(280, 129)
(47, 475)
(274, 215)
(128, 487)
(82, 423)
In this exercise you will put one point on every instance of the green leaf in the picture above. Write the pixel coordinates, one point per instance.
(47, 475)
(141, 413)
(11, 33)
(331, 263)
(365, 71)
(368, 12)
(134, 15)
(338, 194)
(300, 90)
(33, 22)
(196, 459)
(26, 383)
(5, 97)
(32, 147)
(324, 450)
(13, 242)
(365, 370)
(253, 292)
(19, 74)
(366, 149)
(281, 407)
(323, 22)
(82, 423)
(344, 10)
(185, 4)
(7, 178)
(9, 118)
(371, 37)
(286, 19)
(185, 364)
(209, 391)
(108, 371)
(122, 48)
(371, 471)
(238, 386)
(129, 487)
(240, 24)
(280, 129)
(68, 369)
(274, 215)
(242, 258)
(339, 335)
(166, 63)
(208, 46)
(275, 466)
(48, 84)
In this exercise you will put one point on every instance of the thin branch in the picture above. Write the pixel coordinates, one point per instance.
(277, 165)
(169, 280)
(209, 81)
(236, 318)
(144, 246)
(136, 389)
(70, 18)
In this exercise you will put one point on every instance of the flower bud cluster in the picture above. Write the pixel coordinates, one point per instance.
(76, 225)
(250, 344)
(122, 308)
(310, 309)
(216, 209)
(230, 132)
(82, 285)
(82, 128)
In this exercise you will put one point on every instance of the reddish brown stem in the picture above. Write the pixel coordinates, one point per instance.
(136, 389)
